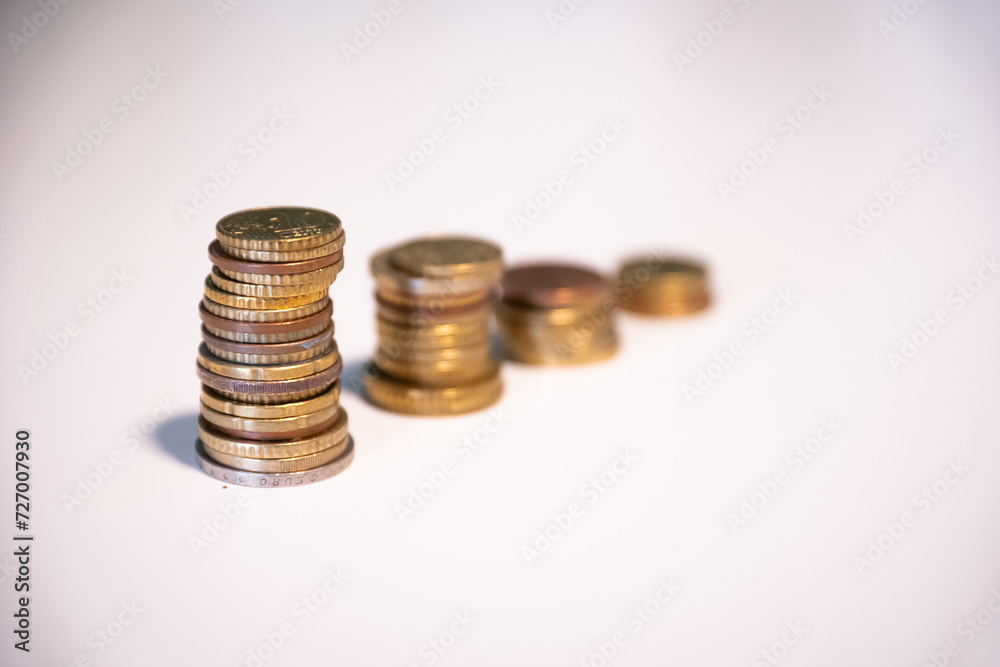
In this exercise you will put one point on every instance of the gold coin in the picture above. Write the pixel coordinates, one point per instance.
(560, 353)
(283, 464)
(277, 315)
(326, 274)
(439, 373)
(272, 399)
(663, 286)
(286, 255)
(220, 281)
(220, 403)
(468, 353)
(391, 279)
(595, 311)
(416, 339)
(267, 338)
(259, 302)
(408, 398)
(666, 307)
(448, 257)
(278, 228)
(270, 359)
(238, 371)
(433, 302)
(273, 449)
(469, 328)
(477, 317)
(273, 426)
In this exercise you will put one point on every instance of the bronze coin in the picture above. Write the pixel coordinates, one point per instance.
(304, 345)
(264, 327)
(226, 261)
(251, 388)
(551, 285)
(283, 435)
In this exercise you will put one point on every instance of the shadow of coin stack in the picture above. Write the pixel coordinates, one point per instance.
(435, 302)
(556, 314)
(268, 363)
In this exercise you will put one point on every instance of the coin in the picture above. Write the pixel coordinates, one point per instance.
(220, 403)
(551, 285)
(266, 316)
(409, 398)
(231, 475)
(270, 372)
(271, 436)
(282, 428)
(390, 278)
(259, 302)
(271, 391)
(278, 228)
(432, 302)
(289, 464)
(516, 314)
(217, 440)
(663, 286)
(286, 255)
(448, 257)
(228, 263)
(222, 282)
(266, 332)
(328, 274)
(392, 336)
(269, 353)
(442, 373)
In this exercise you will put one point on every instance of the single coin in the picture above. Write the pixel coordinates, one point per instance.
(279, 391)
(286, 255)
(552, 285)
(389, 278)
(479, 316)
(594, 311)
(406, 397)
(268, 373)
(229, 263)
(392, 336)
(472, 326)
(266, 332)
(266, 316)
(559, 353)
(448, 257)
(224, 283)
(220, 403)
(328, 275)
(440, 373)
(664, 286)
(667, 307)
(433, 302)
(289, 464)
(467, 353)
(270, 353)
(443, 313)
(224, 298)
(278, 228)
(275, 427)
(272, 436)
(230, 475)
(217, 440)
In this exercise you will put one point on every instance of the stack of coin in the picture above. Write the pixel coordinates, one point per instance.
(556, 314)
(435, 302)
(663, 286)
(269, 365)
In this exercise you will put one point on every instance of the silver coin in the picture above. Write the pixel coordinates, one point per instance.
(263, 480)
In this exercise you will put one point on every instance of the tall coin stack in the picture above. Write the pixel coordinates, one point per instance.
(663, 286)
(556, 314)
(435, 301)
(269, 365)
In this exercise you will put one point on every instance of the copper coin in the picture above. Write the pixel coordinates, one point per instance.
(283, 435)
(264, 327)
(551, 285)
(252, 388)
(226, 261)
(304, 345)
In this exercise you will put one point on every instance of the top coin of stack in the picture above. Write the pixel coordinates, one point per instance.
(663, 286)
(435, 299)
(269, 364)
(556, 314)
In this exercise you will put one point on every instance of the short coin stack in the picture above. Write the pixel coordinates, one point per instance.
(663, 286)
(435, 302)
(269, 365)
(556, 314)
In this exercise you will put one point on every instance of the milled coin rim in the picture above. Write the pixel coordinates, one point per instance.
(258, 480)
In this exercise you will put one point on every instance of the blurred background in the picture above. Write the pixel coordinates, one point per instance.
(842, 156)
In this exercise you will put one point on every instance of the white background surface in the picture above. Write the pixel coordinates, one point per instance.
(655, 186)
